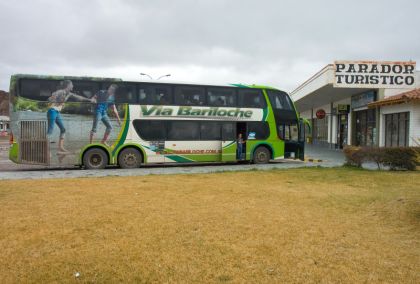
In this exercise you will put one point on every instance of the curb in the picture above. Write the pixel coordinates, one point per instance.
(313, 160)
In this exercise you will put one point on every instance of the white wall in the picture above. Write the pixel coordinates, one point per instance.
(393, 92)
(317, 81)
(414, 124)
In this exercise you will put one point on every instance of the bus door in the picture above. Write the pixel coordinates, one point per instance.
(228, 143)
(294, 136)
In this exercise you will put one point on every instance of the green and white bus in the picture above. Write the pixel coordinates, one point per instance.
(99, 122)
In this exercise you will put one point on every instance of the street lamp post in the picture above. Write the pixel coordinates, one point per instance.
(167, 75)
(144, 74)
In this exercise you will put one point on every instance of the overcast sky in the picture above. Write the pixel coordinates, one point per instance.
(277, 43)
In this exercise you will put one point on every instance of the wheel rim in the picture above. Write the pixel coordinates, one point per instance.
(262, 156)
(130, 159)
(95, 160)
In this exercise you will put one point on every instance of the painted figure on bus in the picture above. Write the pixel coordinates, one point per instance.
(105, 99)
(239, 147)
(56, 104)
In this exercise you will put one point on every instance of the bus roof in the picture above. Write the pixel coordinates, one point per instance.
(101, 79)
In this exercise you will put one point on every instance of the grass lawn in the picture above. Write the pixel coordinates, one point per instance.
(298, 225)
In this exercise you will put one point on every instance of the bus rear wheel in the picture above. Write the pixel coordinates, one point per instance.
(261, 155)
(129, 158)
(95, 158)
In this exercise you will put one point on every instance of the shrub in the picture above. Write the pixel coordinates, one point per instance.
(354, 156)
(375, 155)
(401, 158)
(395, 158)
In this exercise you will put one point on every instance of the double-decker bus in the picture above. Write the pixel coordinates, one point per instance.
(99, 122)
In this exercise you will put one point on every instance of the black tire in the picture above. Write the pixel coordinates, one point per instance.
(95, 158)
(129, 158)
(261, 156)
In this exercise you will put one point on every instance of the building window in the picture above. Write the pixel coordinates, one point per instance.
(397, 129)
(365, 134)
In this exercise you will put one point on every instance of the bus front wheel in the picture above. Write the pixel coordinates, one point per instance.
(129, 158)
(261, 155)
(95, 158)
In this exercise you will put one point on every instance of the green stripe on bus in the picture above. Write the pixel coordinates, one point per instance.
(178, 159)
(265, 114)
(228, 145)
(123, 134)
(240, 85)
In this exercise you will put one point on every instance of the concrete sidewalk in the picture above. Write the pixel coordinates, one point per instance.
(324, 154)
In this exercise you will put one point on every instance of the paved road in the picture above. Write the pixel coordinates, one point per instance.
(9, 170)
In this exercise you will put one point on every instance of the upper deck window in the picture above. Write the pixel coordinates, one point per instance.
(279, 100)
(38, 90)
(251, 98)
(125, 93)
(222, 97)
(155, 94)
(189, 96)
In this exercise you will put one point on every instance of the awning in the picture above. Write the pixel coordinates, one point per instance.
(406, 97)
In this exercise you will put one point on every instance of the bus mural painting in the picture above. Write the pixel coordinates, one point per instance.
(56, 104)
(105, 99)
(194, 123)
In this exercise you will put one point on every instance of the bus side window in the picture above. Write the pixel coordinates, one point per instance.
(294, 132)
(183, 130)
(222, 97)
(86, 89)
(281, 131)
(259, 128)
(287, 132)
(150, 130)
(189, 96)
(210, 130)
(279, 100)
(163, 95)
(251, 98)
(228, 131)
(39, 90)
(155, 95)
(143, 95)
(125, 94)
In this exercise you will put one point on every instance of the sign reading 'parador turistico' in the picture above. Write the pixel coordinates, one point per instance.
(374, 74)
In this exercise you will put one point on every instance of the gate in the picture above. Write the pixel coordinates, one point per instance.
(33, 146)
